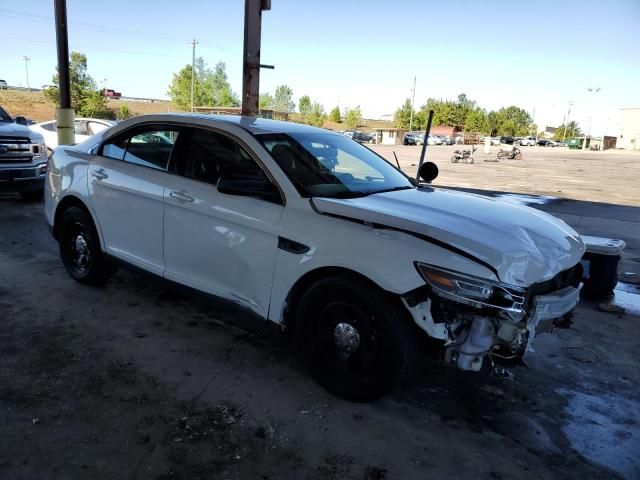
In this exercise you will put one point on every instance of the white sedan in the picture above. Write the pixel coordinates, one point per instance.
(84, 128)
(320, 235)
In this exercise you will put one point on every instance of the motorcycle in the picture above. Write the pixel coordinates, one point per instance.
(510, 154)
(465, 155)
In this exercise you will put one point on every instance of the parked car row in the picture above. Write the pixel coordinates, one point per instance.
(531, 141)
(418, 139)
(360, 137)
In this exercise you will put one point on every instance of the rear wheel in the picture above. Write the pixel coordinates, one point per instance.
(501, 155)
(80, 248)
(355, 339)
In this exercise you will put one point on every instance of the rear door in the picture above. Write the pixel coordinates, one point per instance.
(126, 189)
(219, 243)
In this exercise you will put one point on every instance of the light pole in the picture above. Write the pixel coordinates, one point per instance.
(26, 68)
(566, 123)
(588, 135)
(413, 99)
(193, 69)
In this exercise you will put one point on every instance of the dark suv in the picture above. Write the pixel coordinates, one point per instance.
(23, 158)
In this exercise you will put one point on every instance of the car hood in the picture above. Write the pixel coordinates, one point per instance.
(16, 129)
(522, 244)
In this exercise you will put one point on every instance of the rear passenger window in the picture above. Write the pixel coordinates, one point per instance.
(151, 149)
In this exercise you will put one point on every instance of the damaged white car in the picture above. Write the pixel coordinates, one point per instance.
(315, 232)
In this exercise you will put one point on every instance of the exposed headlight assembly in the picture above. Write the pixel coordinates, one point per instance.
(474, 291)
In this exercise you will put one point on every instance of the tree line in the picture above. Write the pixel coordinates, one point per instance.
(467, 115)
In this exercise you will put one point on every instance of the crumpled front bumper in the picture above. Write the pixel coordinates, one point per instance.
(549, 307)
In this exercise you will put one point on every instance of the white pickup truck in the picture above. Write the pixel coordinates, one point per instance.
(23, 158)
(317, 233)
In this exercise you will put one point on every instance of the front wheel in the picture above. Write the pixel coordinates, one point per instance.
(355, 339)
(455, 159)
(80, 248)
(518, 156)
(470, 160)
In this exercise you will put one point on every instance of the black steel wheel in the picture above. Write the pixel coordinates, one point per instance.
(355, 339)
(80, 248)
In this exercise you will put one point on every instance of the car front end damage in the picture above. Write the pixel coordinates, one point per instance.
(479, 319)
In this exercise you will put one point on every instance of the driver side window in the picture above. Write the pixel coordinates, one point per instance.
(206, 156)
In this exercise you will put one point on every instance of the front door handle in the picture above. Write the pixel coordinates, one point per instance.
(99, 174)
(181, 196)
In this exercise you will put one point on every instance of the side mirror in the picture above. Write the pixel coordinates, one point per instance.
(428, 171)
(248, 186)
(21, 121)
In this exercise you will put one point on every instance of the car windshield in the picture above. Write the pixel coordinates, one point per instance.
(332, 165)
(4, 116)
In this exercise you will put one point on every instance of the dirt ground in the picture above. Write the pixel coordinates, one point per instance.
(34, 106)
(610, 177)
(131, 381)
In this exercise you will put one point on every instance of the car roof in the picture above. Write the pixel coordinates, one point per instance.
(253, 125)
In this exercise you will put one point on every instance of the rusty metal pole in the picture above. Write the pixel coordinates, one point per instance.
(64, 112)
(251, 55)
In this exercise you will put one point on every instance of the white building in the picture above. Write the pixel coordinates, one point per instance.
(629, 137)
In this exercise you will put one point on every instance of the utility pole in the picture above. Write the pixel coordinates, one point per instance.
(64, 113)
(413, 99)
(588, 134)
(26, 68)
(193, 69)
(251, 55)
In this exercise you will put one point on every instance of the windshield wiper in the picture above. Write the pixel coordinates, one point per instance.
(394, 189)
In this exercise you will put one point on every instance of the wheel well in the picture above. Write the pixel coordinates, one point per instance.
(65, 203)
(308, 279)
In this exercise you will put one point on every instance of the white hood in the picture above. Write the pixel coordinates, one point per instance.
(524, 245)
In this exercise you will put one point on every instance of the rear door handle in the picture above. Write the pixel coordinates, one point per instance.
(99, 174)
(181, 196)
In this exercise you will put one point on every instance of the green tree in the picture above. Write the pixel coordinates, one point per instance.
(353, 117)
(572, 128)
(210, 88)
(86, 100)
(315, 115)
(513, 121)
(123, 112)
(223, 95)
(283, 100)
(402, 116)
(334, 115)
(265, 101)
(304, 105)
(476, 121)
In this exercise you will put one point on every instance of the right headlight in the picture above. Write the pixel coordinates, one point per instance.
(474, 291)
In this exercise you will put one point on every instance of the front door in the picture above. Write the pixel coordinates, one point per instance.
(219, 243)
(126, 190)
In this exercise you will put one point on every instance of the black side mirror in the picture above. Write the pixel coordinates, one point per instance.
(249, 186)
(21, 121)
(428, 171)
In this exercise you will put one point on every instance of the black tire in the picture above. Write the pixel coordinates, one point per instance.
(454, 159)
(501, 155)
(518, 156)
(386, 351)
(32, 195)
(80, 248)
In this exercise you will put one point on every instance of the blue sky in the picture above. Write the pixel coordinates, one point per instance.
(533, 54)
